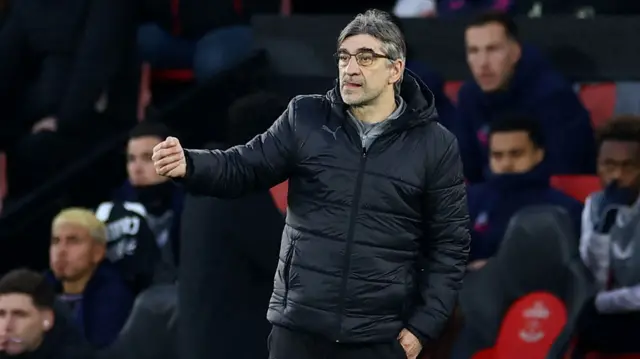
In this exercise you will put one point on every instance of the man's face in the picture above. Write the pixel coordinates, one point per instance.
(22, 324)
(619, 161)
(73, 253)
(139, 165)
(513, 152)
(491, 55)
(362, 84)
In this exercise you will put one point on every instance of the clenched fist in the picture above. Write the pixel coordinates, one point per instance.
(168, 158)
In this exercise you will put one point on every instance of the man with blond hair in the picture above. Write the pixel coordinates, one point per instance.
(93, 289)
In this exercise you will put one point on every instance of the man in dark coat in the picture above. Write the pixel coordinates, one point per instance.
(376, 237)
(235, 241)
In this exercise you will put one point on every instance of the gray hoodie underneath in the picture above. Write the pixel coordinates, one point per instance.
(368, 132)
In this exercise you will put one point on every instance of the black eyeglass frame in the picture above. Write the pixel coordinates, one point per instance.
(358, 56)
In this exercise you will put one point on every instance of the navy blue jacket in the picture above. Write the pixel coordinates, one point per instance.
(537, 90)
(491, 205)
(106, 303)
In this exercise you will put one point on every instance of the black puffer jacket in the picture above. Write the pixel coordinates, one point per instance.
(375, 240)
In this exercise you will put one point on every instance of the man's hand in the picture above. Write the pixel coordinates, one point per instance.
(410, 344)
(46, 124)
(168, 158)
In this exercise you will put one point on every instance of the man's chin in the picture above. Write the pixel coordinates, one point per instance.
(353, 100)
(12, 349)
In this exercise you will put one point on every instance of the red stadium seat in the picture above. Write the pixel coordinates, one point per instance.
(279, 194)
(451, 89)
(600, 100)
(576, 186)
(529, 328)
(173, 75)
(485, 354)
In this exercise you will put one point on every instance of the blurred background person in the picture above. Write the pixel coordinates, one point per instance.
(609, 242)
(92, 288)
(67, 80)
(509, 78)
(240, 236)
(518, 178)
(162, 199)
(30, 325)
(204, 35)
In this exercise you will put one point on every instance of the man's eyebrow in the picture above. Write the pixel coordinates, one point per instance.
(361, 49)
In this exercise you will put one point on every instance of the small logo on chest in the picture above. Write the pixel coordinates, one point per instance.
(333, 133)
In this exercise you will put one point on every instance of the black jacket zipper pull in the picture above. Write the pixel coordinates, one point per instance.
(363, 139)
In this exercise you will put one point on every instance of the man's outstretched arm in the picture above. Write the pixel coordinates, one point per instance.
(260, 164)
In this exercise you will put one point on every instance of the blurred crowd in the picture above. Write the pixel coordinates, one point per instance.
(72, 76)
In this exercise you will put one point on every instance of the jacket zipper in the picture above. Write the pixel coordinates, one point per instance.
(352, 228)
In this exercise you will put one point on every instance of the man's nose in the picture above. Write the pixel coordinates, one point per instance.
(483, 60)
(352, 67)
(508, 166)
(616, 174)
(60, 250)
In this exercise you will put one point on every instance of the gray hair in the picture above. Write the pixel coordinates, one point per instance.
(380, 25)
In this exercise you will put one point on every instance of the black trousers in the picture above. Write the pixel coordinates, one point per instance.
(287, 344)
(607, 333)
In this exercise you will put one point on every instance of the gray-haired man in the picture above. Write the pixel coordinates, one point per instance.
(376, 241)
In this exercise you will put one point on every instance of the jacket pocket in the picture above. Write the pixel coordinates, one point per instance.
(398, 350)
(286, 271)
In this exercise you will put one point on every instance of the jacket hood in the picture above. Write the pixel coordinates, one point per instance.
(416, 94)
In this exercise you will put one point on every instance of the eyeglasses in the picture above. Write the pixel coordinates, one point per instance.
(363, 58)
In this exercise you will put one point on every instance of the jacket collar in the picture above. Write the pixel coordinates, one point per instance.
(418, 97)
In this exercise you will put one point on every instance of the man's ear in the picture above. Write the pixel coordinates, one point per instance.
(397, 70)
(48, 319)
(540, 154)
(516, 52)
